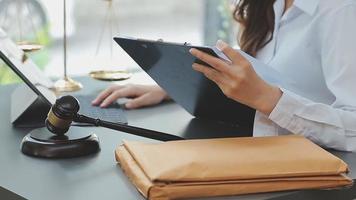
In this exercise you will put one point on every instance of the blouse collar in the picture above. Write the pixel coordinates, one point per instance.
(307, 6)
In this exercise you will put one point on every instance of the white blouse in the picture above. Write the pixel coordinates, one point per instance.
(314, 45)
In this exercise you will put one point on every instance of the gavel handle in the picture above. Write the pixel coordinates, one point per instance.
(127, 128)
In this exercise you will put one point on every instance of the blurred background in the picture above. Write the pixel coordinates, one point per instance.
(91, 24)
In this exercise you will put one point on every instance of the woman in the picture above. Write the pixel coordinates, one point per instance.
(309, 41)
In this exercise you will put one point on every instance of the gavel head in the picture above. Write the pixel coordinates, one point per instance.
(62, 114)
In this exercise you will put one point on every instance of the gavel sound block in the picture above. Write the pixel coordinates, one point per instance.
(61, 140)
(43, 143)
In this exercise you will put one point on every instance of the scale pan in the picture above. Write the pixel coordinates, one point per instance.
(110, 75)
(28, 46)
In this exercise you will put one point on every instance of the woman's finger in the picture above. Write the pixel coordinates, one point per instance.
(214, 62)
(124, 92)
(231, 53)
(209, 72)
(105, 94)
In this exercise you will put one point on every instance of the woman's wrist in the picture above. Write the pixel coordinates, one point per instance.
(269, 99)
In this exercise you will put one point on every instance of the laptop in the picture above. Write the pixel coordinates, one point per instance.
(41, 85)
(170, 65)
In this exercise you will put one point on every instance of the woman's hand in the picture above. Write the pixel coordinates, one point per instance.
(142, 95)
(237, 79)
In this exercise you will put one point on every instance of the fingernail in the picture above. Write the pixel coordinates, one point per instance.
(221, 44)
(102, 105)
(191, 51)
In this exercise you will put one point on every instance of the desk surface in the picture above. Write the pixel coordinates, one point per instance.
(98, 176)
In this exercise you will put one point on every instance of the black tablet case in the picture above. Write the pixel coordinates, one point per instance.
(170, 65)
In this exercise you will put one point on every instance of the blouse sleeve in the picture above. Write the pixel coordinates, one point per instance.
(332, 126)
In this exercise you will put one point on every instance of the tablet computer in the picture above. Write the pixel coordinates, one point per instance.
(42, 86)
(170, 65)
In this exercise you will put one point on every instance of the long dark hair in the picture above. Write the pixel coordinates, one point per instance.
(256, 19)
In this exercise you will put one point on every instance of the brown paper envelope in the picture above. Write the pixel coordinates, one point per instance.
(131, 154)
(179, 190)
(234, 158)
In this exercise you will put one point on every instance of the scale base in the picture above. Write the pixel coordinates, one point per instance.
(77, 142)
(67, 85)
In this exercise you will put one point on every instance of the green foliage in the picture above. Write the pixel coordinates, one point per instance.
(41, 58)
(218, 22)
(43, 36)
(226, 20)
(6, 75)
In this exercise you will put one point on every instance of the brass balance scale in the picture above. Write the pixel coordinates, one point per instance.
(14, 14)
(24, 12)
(66, 84)
(108, 75)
